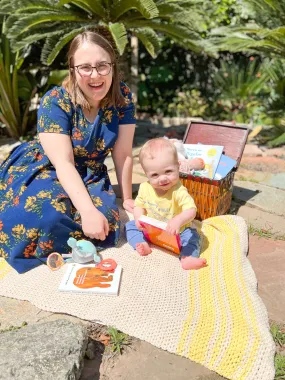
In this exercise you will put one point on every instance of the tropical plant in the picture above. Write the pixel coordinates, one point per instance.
(262, 30)
(188, 103)
(16, 92)
(242, 90)
(274, 135)
(57, 22)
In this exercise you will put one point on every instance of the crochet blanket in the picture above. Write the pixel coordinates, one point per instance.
(213, 316)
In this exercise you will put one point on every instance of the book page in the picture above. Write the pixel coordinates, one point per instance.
(211, 155)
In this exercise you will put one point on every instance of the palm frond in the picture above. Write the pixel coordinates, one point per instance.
(119, 34)
(244, 43)
(174, 12)
(273, 33)
(251, 28)
(177, 32)
(168, 9)
(149, 39)
(34, 37)
(31, 20)
(266, 35)
(264, 5)
(24, 6)
(91, 6)
(26, 23)
(275, 69)
(54, 44)
(147, 8)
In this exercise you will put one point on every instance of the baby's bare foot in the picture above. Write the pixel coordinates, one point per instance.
(189, 262)
(143, 249)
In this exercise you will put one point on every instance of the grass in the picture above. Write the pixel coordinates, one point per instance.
(278, 334)
(279, 362)
(265, 233)
(14, 328)
(118, 340)
(242, 178)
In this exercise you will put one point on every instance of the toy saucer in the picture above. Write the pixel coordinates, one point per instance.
(55, 261)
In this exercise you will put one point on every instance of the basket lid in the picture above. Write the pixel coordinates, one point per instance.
(231, 137)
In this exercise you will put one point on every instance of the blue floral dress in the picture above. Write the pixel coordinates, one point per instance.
(36, 215)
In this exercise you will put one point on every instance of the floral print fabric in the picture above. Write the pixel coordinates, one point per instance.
(36, 215)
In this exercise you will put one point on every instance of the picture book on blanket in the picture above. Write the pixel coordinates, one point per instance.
(91, 280)
(211, 155)
(155, 232)
(225, 166)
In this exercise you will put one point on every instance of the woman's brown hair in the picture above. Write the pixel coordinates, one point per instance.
(114, 96)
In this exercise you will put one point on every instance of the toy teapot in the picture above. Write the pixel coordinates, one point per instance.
(83, 251)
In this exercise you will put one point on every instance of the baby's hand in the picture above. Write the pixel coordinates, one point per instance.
(173, 226)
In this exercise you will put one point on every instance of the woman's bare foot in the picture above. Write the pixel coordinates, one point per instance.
(189, 262)
(143, 249)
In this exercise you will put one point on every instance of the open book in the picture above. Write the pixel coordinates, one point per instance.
(211, 155)
(89, 279)
(154, 231)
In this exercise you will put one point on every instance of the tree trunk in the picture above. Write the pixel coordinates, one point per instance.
(134, 67)
(128, 66)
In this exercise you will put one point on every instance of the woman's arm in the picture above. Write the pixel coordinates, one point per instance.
(58, 148)
(123, 160)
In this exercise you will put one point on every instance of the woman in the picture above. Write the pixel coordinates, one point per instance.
(57, 186)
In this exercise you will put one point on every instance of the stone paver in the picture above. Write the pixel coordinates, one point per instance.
(144, 361)
(259, 219)
(263, 197)
(267, 258)
(252, 150)
(53, 350)
(263, 164)
(274, 152)
(264, 178)
(14, 312)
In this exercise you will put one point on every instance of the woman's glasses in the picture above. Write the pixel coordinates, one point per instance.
(86, 70)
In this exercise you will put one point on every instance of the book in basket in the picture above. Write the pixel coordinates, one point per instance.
(155, 232)
(210, 154)
(226, 164)
(91, 280)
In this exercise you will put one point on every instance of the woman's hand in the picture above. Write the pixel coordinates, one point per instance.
(95, 224)
(129, 204)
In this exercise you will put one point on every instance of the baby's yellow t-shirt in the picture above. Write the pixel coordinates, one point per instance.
(164, 208)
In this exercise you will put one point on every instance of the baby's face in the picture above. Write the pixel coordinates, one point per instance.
(162, 172)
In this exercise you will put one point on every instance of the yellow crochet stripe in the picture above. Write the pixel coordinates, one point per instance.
(221, 330)
(4, 268)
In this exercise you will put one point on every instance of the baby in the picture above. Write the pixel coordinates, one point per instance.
(164, 198)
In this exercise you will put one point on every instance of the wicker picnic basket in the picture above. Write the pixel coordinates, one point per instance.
(213, 197)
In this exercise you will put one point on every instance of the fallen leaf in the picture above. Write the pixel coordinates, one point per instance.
(105, 339)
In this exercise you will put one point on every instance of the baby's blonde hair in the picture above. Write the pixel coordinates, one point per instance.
(151, 149)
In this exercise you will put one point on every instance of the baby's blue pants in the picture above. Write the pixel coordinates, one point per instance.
(190, 239)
